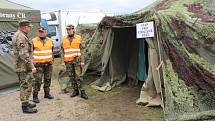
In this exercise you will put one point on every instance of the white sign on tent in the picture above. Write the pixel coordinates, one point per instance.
(145, 30)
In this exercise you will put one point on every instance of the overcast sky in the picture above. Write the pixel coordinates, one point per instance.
(114, 6)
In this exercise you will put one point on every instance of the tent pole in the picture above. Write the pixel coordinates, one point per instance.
(160, 65)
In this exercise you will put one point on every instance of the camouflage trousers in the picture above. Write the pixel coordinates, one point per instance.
(44, 73)
(74, 79)
(25, 81)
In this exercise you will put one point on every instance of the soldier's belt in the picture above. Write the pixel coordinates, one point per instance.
(47, 63)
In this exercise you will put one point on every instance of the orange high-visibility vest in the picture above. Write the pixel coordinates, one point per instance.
(71, 49)
(42, 53)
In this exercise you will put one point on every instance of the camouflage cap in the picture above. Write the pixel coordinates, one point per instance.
(25, 22)
(41, 29)
(70, 26)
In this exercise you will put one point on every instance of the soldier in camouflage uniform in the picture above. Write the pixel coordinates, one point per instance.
(43, 59)
(22, 47)
(71, 51)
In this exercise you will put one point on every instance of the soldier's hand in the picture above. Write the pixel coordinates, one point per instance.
(34, 70)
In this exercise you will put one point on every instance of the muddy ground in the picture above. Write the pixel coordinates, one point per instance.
(116, 105)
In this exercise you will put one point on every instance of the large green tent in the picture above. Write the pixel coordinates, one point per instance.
(184, 41)
(10, 14)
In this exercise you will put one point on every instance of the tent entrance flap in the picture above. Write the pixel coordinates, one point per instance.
(142, 60)
(122, 60)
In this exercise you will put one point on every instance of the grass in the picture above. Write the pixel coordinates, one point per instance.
(92, 92)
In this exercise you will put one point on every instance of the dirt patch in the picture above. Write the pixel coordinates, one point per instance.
(112, 106)
(120, 106)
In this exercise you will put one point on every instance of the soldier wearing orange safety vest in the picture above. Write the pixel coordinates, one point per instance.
(43, 59)
(71, 51)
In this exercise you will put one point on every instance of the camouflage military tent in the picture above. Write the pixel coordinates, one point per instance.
(185, 42)
(10, 14)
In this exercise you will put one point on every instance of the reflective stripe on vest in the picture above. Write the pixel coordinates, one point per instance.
(42, 52)
(71, 50)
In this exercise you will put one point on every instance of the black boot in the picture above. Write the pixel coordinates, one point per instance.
(75, 92)
(83, 94)
(27, 109)
(32, 105)
(35, 98)
(48, 96)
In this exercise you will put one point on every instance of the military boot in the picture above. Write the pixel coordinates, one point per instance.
(83, 94)
(27, 109)
(75, 92)
(48, 96)
(32, 105)
(35, 98)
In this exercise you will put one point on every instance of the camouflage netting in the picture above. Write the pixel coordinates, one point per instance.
(90, 43)
(185, 30)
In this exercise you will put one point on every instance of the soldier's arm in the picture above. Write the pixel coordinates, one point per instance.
(62, 52)
(24, 53)
(52, 48)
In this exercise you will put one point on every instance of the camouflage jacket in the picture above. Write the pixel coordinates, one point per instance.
(23, 49)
